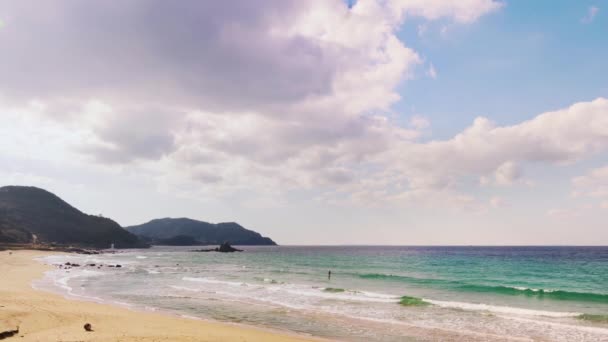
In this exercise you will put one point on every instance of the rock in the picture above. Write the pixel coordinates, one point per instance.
(88, 327)
(224, 248)
(92, 265)
(8, 333)
(119, 266)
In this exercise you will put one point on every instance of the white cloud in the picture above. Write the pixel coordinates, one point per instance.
(463, 11)
(419, 122)
(497, 202)
(422, 29)
(365, 159)
(507, 173)
(592, 11)
(593, 185)
(564, 214)
(431, 72)
(291, 98)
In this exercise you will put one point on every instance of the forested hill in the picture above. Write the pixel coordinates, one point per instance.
(29, 212)
(185, 231)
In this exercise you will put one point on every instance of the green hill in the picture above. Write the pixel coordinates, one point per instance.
(173, 230)
(28, 213)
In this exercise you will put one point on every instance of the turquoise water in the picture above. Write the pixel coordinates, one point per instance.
(374, 294)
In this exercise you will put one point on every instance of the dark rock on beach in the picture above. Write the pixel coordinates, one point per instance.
(8, 333)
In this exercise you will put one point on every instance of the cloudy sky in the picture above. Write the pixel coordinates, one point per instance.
(316, 122)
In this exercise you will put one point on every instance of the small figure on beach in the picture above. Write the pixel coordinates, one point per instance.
(329, 275)
(88, 327)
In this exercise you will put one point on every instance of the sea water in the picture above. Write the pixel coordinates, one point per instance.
(374, 294)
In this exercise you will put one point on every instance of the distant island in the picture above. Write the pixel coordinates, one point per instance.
(189, 232)
(30, 215)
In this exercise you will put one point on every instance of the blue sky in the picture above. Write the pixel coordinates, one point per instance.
(316, 122)
(525, 59)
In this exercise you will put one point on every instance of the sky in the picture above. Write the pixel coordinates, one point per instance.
(391, 122)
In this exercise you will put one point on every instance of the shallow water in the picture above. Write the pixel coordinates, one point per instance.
(458, 293)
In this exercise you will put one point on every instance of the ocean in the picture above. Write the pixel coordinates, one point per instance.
(375, 293)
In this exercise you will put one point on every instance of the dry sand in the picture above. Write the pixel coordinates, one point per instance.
(43, 316)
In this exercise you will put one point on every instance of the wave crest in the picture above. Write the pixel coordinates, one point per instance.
(553, 294)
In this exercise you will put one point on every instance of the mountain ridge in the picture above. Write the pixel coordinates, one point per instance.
(166, 229)
(30, 214)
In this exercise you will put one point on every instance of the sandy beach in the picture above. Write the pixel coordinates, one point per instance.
(42, 316)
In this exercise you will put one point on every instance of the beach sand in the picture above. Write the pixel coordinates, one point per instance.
(43, 316)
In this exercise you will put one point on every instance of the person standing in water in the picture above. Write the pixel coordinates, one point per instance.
(329, 275)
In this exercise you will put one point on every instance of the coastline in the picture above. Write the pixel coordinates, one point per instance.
(44, 316)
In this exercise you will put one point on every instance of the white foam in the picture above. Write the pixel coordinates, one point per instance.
(594, 330)
(302, 291)
(521, 288)
(346, 295)
(59, 281)
(215, 281)
(500, 309)
(379, 295)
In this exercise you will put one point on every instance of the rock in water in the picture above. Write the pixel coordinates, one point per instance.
(226, 248)
(223, 248)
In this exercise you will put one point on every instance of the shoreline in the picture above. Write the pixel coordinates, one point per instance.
(46, 316)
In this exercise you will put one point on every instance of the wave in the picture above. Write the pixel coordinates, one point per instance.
(395, 277)
(299, 291)
(593, 318)
(500, 309)
(412, 301)
(215, 281)
(268, 280)
(539, 293)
